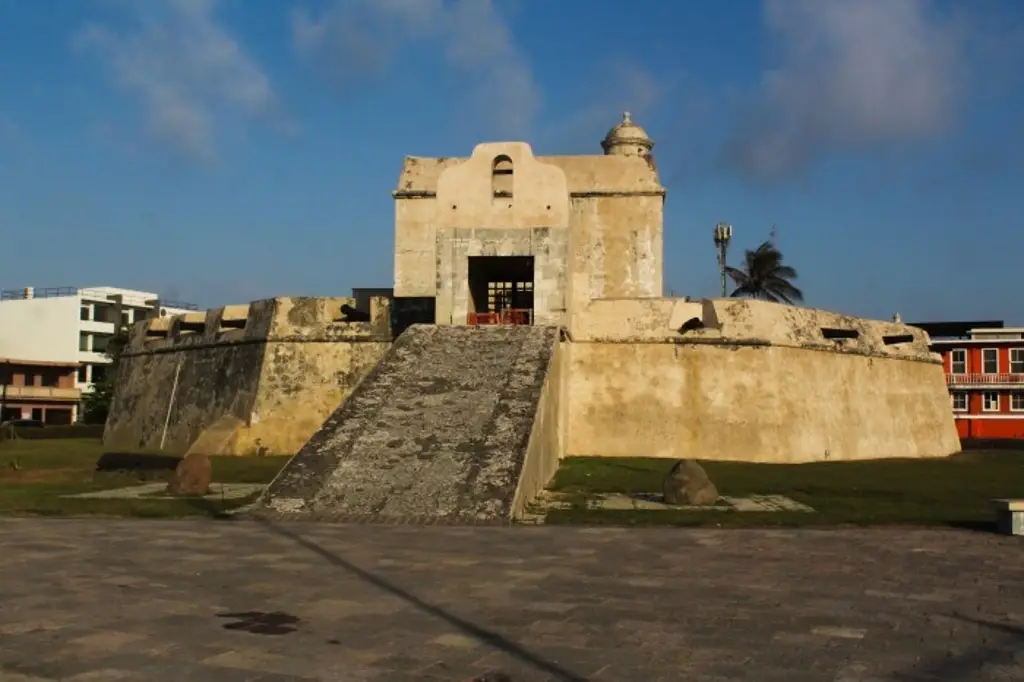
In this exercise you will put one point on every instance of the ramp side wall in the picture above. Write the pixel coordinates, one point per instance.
(547, 441)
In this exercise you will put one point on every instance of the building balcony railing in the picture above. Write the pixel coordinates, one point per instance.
(42, 393)
(91, 294)
(975, 379)
(44, 292)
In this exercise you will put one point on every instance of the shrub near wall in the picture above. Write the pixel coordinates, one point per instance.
(47, 432)
(1001, 444)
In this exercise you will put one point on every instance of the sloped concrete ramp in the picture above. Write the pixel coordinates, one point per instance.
(437, 432)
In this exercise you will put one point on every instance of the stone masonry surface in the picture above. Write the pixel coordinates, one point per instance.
(245, 379)
(166, 601)
(438, 430)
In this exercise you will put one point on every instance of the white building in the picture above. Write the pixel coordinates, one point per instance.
(73, 325)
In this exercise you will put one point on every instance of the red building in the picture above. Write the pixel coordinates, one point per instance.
(984, 363)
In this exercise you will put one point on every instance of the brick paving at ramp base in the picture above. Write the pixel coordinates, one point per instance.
(196, 600)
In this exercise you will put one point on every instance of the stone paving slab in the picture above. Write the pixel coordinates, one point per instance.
(218, 491)
(654, 502)
(548, 500)
(200, 600)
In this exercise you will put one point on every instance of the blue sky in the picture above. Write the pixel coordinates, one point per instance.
(225, 151)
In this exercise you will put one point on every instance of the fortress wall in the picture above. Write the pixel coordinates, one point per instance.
(241, 379)
(745, 320)
(751, 381)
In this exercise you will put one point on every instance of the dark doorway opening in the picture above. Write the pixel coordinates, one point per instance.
(57, 416)
(501, 290)
(407, 311)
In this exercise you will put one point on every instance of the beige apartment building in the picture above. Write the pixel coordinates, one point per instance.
(41, 391)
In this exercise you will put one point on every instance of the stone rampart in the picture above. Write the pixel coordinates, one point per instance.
(242, 379)
(736, 379)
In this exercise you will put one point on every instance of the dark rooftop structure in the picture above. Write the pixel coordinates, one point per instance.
(363, 295)
(955, 330)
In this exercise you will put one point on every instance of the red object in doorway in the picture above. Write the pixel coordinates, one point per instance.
(482, 318)
(507, 316)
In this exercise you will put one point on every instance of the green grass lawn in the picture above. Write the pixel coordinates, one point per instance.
(34, 474)
(955, 491)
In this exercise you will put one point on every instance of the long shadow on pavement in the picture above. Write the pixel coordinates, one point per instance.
(491, 638)
(965, 665)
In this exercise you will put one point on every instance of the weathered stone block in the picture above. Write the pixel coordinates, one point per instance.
(688, 484)
(192, 476)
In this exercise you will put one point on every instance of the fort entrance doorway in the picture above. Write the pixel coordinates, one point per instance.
(501, 290)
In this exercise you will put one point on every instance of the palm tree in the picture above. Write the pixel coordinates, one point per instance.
(764, 276)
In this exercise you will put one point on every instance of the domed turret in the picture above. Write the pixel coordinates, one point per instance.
(627, 139)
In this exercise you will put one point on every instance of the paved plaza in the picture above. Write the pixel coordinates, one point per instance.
(227, 601)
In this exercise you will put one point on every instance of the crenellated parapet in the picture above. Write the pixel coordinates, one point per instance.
(278, 320)
(738, 321)
(243, 379)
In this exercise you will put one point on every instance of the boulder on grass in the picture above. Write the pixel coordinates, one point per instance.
(192, 476)
(687, 484)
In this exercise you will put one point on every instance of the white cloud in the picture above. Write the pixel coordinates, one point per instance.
(358, 40)
(621, 85)
(186, 70)
(626, 86)
(853, 74)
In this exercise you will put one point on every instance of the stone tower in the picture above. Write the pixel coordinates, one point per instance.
(541, 236)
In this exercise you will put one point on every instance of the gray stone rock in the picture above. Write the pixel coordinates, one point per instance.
(192, 476)
(687, 484)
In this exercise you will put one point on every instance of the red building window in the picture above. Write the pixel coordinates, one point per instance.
(1017, 360)
(990, 360)
(958, 361)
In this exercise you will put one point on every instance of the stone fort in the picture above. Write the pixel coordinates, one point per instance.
(528, 323)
